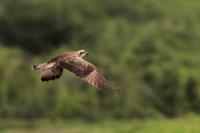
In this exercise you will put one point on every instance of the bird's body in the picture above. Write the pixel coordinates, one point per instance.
(73, 62)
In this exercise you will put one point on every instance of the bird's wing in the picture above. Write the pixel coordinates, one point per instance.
(51, 73)
(87, 72)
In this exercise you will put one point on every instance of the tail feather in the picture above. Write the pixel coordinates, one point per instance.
(35, 67)
(43, 66)
(39, 67)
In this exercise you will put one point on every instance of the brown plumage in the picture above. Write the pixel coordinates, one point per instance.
(73, 62)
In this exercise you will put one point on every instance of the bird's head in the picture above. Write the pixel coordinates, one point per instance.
(82, 53)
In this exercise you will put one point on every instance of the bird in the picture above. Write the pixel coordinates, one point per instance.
(73, 61)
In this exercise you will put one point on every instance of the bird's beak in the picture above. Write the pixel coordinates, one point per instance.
(87, 53)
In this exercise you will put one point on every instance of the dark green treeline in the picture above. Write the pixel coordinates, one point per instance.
(149, 50)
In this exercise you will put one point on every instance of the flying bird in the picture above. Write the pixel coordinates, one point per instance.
(74, 62)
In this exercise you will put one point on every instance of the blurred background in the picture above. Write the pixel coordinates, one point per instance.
(149, 50)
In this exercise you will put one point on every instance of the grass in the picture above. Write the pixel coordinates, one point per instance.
(178, 125)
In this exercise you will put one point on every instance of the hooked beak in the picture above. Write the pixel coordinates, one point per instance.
(87, 53)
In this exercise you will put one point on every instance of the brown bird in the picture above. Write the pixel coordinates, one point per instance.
(74, 62)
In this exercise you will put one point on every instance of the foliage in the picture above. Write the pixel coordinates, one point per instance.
(147, 49)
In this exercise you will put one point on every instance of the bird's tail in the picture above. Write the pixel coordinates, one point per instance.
(39, 67)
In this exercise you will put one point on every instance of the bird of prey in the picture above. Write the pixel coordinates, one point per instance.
(74, 62)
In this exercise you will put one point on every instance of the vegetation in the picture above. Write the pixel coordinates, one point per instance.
(179, 125)
(149, 50)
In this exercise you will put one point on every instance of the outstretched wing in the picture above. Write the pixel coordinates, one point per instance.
(87, 72)
(51, 73)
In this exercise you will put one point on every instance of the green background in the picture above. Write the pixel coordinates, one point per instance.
(149, 50)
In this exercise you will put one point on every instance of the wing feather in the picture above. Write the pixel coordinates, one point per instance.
(51, 73)
(87, 72)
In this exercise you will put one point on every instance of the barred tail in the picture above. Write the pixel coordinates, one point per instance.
(39, 67)
(35, 67)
